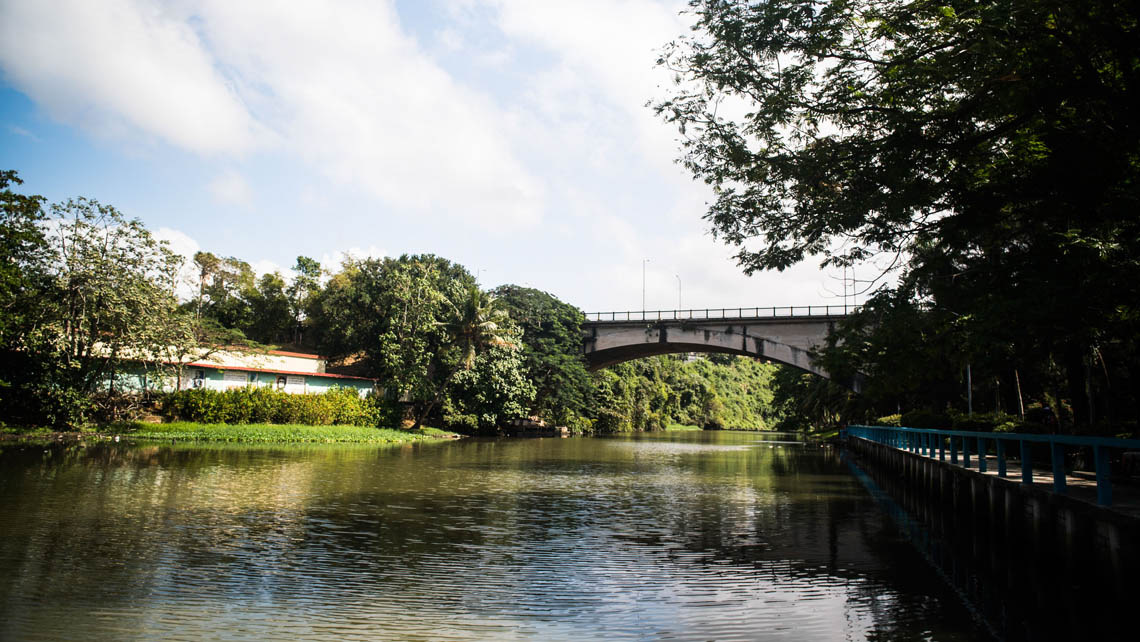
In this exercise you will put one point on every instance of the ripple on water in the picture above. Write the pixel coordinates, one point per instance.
(634, 539)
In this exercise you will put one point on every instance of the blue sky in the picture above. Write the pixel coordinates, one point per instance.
(511, 136)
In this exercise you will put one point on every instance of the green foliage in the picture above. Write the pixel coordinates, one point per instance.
(338, 406)
(650, 394)
(493, 390)
(79, 303)
(403, 316)
(808, 403)
(279, 433)
(989, 148)
(926, 419)
(552, 353)
(269, 311)
(302, 293)
(24, 252)
(983, 421)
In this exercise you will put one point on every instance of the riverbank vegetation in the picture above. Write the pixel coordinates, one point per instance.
(277, 433)
(979, 163)
(186, 431)
(88, 293)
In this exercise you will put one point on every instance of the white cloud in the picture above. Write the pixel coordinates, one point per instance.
(265, 266)
(512, 134)
(123, 66)
(331, 261)
(232, 188)
(346, 91)
(185, 246)
(606, 48)
(20, 131)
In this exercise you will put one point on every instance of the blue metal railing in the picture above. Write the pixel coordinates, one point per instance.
(959, 443)
(716, 314)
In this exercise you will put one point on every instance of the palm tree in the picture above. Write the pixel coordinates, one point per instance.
(477, 322)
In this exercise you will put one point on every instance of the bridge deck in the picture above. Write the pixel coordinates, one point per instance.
(754, 314)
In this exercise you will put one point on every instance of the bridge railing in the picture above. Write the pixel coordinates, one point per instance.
(960, 443)
(716, 314)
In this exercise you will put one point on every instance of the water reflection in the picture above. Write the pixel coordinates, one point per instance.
(675, 536)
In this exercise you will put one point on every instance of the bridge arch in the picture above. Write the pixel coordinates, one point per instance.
(787, 339)
(707, 341)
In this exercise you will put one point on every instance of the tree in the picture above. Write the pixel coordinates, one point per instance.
(807, 402)
(992, 146)
(476, 322)
(98, 294)
(403, 317)
(23, 258)
(302, 292)
(271, 318)
(226, 292)
(552, 352)
(493, 389)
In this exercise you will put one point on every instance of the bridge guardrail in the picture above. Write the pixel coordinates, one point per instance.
(924, 441)
(716, 314)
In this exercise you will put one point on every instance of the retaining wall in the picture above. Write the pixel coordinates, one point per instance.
(1037, 565)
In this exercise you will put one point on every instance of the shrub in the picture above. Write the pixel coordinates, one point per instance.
(264, 405)
(889, 420)
(983, 421)
(610, 420)
(925, 419)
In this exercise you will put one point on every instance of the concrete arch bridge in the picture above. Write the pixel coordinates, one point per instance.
(787, 335)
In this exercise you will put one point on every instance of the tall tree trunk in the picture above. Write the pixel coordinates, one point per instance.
(1076, 373)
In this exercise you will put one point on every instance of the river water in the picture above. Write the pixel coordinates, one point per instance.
(668, 536)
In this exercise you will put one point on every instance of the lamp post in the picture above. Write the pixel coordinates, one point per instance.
(643, 262)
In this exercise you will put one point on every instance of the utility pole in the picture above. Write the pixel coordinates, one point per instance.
(969, 391)
(643, 262)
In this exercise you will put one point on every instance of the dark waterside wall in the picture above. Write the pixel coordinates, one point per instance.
(1036, 565)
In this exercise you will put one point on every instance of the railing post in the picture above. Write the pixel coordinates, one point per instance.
(966, 452)
(1058, 452)
(1103, 475)
(1026, 462)
(941, 448)
(953, 451)
(999, 447)
(981, 455)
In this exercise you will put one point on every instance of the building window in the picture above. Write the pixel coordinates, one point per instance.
(199, 380)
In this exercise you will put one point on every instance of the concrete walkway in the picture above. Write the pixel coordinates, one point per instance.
(1079, 485)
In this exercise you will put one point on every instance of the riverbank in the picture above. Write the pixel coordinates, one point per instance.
(245, 433)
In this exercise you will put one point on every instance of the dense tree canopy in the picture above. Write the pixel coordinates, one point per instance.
(90, 291)
(88, 295)
(992, 147)
(552, 352)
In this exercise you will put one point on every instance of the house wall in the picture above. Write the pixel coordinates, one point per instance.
(135, 378)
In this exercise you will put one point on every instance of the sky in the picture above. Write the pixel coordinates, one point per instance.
(511, 136)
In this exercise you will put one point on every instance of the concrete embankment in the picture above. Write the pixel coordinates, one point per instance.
(1037, 565)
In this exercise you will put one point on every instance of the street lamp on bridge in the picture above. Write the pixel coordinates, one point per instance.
(643, 262)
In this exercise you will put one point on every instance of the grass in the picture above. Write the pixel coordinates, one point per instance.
(246, 433)
(682, 428)
(278, 433)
